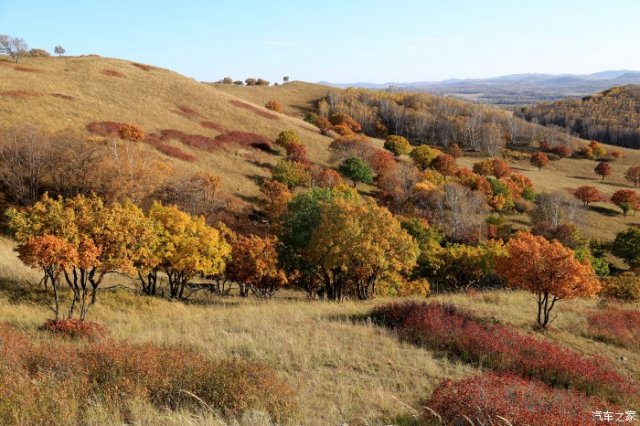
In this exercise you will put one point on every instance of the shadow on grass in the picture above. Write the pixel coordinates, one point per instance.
(17, 292)
(604, 210)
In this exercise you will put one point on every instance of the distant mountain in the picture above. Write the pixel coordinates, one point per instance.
(515, 89)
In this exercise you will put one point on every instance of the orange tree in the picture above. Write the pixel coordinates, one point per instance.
(587, 194)
(539, 160)
(254, 265)
(626, 199)
(548, 269)
(603, 169)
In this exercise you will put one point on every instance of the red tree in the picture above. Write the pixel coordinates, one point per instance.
(603, 169)
(587, 194)
(539, 160)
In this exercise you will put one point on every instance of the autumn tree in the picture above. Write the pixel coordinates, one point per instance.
(547, 269)
(343, 245)
(598, 150)
(626, 199)
(254, 265)
(286, 138)
(59, 50)
(423, 155)
(587, 194)
(297, 152)
(131, 133)
(52, 255)
(539, 160)
(188, 247)
(455, 151)
(278, 196)
(603, 169)
(327, 178)
(397, 145)
(356, 170)
(291, 173)
(445, 164)
(633, 175)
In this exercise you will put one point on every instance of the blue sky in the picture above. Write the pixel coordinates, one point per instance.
(340, 40)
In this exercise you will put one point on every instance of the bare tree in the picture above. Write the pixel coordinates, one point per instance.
(13, 46)
(23, 160)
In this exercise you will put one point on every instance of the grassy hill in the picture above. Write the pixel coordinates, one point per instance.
(71, 92)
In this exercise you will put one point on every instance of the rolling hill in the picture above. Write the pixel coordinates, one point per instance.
(71, 92)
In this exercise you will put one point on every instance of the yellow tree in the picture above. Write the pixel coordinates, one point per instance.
(356, 244)
(187, 247)
(548, 269)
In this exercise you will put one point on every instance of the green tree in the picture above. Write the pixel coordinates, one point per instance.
(423, 155)
(627, 246)
(356, 170)
(397, 145)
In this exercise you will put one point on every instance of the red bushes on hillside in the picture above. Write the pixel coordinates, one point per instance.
(213, 126)
(252, 108)
(143, 66)
(489, 397)
(75, 328)
(175, 152)
(105, 128)
(246, 139)
(188, 112)
(20, 93)
(205, 143)
(113, 73)
(617, 326)
(494, 346)
(115, 373)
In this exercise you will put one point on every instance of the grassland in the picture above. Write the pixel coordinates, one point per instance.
(343, 368)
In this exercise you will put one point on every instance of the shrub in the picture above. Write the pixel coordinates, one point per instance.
(287, 137)
(113, 73)
(39, 53)
(75, 328)
(291, 174)
(131, 133)
(175, 152)
(625, 286)
(617, 326)
(115, 373)
(455, 151)
(213, 126)
(105, 128)
(356, 170)
(273, 106)
(397, 145)
(490, 398)
(445, 327)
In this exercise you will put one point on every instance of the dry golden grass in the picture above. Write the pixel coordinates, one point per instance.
(71, 92)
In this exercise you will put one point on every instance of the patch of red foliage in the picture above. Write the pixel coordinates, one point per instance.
(75, 328)
(61, 96)
(188, 112)
(175, 152)
(26, 69)
(113, 73)
(247, 139)
(213, 126)
(494, 346)
(20, 93)
(618, 326)
(143, 67)
(254, 109)
(489, 398)
(116, 373)
(105, 128)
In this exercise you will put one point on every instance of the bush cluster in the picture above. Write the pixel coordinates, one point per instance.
(494, 346)
(617, 326)
(114, 374)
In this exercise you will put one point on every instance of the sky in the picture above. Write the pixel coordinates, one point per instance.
(340, 41)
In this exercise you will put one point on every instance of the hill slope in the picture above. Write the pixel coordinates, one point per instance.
(71, 92)
(612, 116)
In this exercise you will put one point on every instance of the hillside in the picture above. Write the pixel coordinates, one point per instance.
(71, 92)
(611, 117)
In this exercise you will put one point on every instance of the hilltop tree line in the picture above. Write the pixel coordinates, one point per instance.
(17, 48)
(611, 117)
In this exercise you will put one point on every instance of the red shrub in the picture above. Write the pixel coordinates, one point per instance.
(254, 109)
(143, 66)
(444, 327)
(20, 93)
(188, 112)
(113, 73)
(75, 328)
(213, 126)
(175, 152)
(489, 397)
(562, 151)
(105, 128)
(26, 69)
(247, 139)
(61, 96)
(195, 141)
(617, 326)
